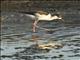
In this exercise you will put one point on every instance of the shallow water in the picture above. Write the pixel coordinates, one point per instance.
(17, 38)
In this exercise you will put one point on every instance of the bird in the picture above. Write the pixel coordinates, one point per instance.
(42, 16)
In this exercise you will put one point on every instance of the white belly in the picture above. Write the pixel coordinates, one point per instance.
(44, 17)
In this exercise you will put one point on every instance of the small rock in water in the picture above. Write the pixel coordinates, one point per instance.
(54, 57)
(61, 55)
(50, 31)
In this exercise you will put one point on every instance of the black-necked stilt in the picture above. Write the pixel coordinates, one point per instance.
(44, 16)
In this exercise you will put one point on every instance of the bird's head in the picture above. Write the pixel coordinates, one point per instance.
(58, 17)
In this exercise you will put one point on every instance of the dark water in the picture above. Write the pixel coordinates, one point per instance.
(17, 38)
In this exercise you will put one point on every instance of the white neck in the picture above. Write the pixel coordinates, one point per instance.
(54, 17)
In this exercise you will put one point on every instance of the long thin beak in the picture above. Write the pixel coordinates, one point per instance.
(62, 20)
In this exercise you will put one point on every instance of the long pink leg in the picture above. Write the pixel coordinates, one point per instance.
(34, 26)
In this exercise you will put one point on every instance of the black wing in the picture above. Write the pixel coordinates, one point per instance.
(31, 13)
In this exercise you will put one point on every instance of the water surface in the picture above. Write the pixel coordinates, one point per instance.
(17, 38)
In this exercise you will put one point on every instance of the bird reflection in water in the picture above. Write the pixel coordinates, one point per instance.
(35, 38)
